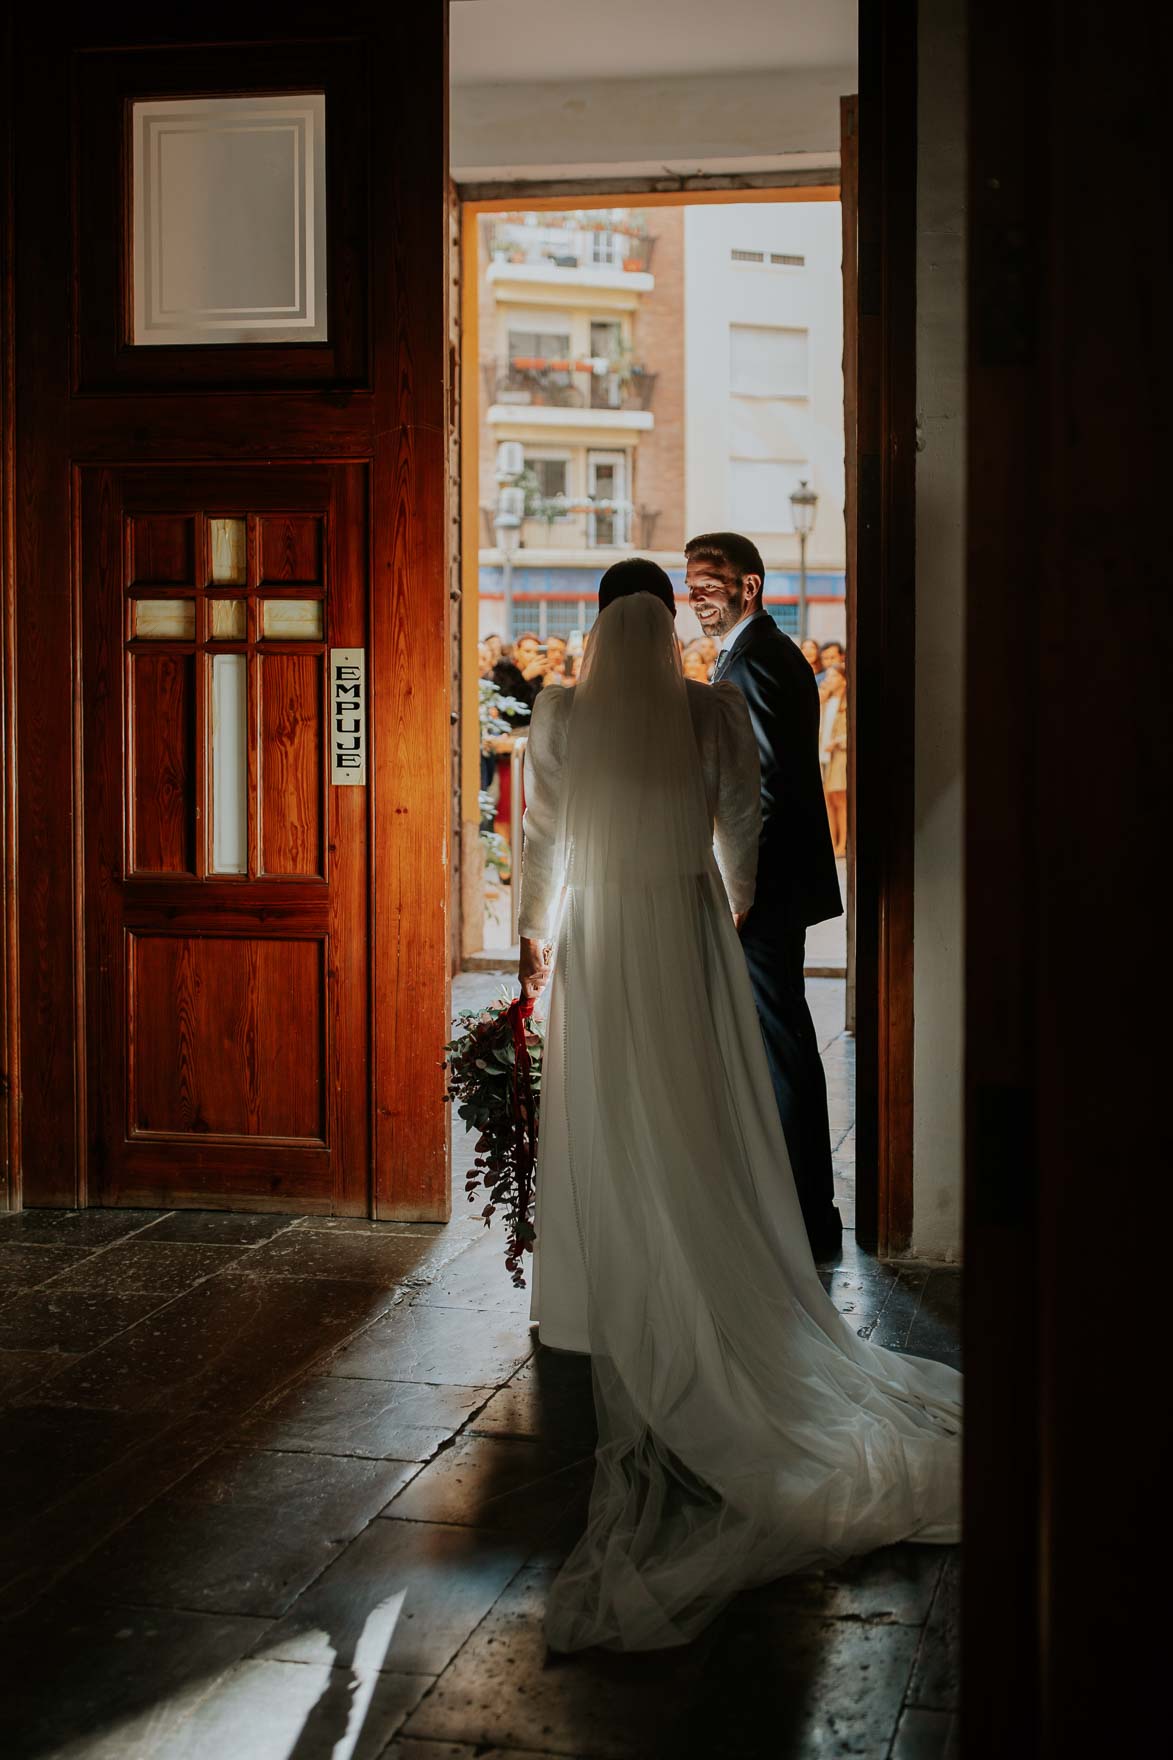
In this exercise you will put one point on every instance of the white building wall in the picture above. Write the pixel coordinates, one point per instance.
(940, 615)
(722, 293)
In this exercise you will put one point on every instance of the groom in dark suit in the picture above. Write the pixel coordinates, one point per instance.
(797, 882)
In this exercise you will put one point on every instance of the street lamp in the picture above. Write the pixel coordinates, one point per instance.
(803, 502)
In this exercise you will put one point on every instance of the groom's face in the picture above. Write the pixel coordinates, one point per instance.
(718, 594)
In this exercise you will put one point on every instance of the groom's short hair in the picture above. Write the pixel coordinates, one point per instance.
(740, 553)
(636, 574)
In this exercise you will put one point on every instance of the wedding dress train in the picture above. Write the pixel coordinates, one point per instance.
(745, 1429)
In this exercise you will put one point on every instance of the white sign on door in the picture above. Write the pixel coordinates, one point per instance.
(348, 715)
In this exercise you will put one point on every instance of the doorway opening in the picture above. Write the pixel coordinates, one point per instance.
(631, 375)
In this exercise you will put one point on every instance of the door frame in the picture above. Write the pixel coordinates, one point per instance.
(880, 548)
(882, 626)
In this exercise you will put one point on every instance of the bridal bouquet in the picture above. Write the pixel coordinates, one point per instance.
(494, 1075)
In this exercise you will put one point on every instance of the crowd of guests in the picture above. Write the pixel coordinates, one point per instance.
(532, 665)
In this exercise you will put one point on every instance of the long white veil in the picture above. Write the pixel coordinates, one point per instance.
(745, 1430)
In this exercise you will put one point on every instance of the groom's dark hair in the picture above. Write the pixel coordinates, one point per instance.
(636, 574)
(740, 553)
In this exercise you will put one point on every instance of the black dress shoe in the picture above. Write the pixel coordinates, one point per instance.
(827, 1239)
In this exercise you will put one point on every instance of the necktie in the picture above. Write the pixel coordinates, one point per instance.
(722, 663)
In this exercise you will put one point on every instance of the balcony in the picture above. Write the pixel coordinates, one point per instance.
(557, 528)
(570, 242)
(526, 382)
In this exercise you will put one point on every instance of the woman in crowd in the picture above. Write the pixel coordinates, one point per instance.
(694, 662)
(505, 675)
(810, 651)
(833, 753)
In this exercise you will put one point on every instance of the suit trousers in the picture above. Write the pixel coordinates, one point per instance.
(775, 956)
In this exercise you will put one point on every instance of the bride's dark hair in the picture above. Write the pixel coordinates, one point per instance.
(636, 574)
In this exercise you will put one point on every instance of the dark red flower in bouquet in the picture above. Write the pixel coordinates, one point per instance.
(494, 1076)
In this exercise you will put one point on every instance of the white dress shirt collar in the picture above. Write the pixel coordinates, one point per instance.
(733, 636)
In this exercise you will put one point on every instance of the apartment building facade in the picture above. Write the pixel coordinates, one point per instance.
(650, 373)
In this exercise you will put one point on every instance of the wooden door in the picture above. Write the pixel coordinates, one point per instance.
(230, 364)
(226, 852)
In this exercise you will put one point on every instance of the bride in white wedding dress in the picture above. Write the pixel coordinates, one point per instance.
(745, 1429)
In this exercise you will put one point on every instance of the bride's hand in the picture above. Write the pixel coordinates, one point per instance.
(533, 970)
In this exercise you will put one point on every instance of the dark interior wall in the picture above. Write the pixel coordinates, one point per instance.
(1068, 774)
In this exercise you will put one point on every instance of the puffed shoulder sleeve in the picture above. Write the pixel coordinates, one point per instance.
(545, 755)
(739, 797)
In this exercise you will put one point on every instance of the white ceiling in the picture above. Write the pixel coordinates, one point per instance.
(517, 41)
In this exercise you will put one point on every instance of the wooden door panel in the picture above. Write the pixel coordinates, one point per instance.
(290, 550)
(227, 1035)
(162, 550)
(228, 993)
(162, 762)
(292, 779)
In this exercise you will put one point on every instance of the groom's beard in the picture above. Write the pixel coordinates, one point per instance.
(717, 621)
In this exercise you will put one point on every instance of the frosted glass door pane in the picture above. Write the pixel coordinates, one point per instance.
(298, 620)
(230, 219)
(229, 565)
(229, 764)
(165, 619)
(229, 620)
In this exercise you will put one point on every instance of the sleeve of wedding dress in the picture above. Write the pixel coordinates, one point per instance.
(545, 752)
(739, 797)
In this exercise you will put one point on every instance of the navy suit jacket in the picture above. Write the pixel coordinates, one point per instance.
(797, 881)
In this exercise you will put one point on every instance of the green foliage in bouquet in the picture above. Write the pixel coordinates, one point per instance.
(494, 1076)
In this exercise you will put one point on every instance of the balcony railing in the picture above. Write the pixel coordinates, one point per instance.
(570, 523)
(571, 242)
(568, 384)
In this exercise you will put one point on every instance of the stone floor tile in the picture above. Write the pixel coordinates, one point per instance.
(936, 1678)
(113, 1683)
(936, 1329)
(72, 1528)
(28, 1371)
(362, 1257)
(365, 1225)
(143, 1263)
(418, 1748)
(46, 1451)
(477, 1278)
(222, 1346)
(376, 1420)
(77, 1321)
(791, 1687)
(897, 1583)
(859, 1288)
(223, 1228)
(442, 1579)
(245, 1533)
(275, 1710)
(25, 1264)
(510, 1484)
(900, 1310)
(928, 1735)
(551, 1397)
(415, 1342)
(796, 1685)
(74, 1228)
(504, 1691)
